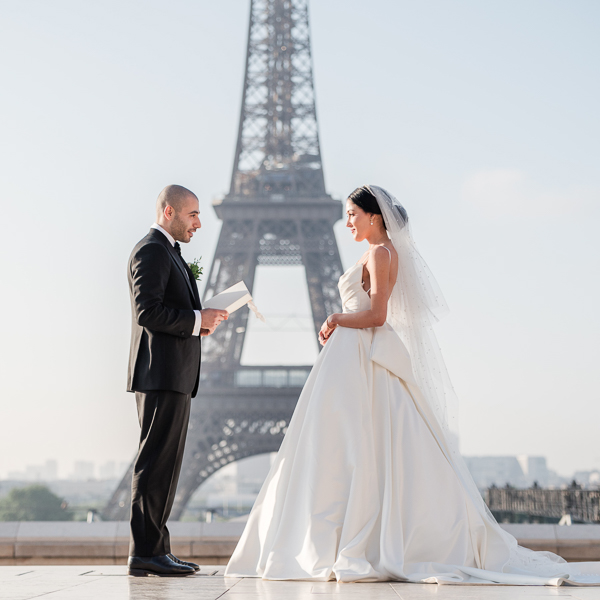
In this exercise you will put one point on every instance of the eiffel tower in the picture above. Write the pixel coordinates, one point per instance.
(277, 212)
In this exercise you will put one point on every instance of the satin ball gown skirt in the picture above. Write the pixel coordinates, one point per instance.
(364, 488)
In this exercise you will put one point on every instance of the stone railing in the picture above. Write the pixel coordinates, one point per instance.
(107, 542)
(71, 543)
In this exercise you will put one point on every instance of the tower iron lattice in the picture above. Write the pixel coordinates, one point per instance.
(277, 212)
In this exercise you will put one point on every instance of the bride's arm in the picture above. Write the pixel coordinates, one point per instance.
(378, 265)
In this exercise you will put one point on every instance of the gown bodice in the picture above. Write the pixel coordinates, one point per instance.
(384, 345)
(354, 297)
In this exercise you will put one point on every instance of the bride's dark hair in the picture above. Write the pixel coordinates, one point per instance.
(364, 198)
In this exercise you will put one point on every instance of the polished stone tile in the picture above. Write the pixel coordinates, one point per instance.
(415, 591)
(112, 583)
(354, 590)
(258, 588)
(585, 593)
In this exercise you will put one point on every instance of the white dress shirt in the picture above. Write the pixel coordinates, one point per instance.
(198, 323)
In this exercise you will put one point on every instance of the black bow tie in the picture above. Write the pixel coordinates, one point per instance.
(177, 248)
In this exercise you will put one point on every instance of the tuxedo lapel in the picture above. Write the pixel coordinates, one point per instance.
(180, 266)
(193, 286)
(183, 269)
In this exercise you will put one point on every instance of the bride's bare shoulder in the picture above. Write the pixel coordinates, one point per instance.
(365, 257)
(380, 253)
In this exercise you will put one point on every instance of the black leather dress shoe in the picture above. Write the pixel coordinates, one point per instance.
(184, 562)
(161, 566)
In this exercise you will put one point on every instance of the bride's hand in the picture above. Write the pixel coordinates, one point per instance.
(326, 331)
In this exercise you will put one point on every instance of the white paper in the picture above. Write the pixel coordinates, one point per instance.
(230, 299)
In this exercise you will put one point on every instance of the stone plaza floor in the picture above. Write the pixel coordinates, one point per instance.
(112, 582)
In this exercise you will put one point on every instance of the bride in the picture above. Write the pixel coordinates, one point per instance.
(368, 484)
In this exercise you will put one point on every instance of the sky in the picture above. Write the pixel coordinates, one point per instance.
(481, 117)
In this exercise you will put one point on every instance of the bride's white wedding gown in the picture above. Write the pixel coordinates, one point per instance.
(364, 487)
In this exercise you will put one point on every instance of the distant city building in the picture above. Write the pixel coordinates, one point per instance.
(51, 470)
(535, 470)
(518, 471)
(495, 470)
(83, 470)
(46, 472)
(108, 470)
(588, 479)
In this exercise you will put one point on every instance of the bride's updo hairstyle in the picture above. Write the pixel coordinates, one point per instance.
(364, 198)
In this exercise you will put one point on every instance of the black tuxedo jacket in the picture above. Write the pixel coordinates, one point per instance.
(164, 355)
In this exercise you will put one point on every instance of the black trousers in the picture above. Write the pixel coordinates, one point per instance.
(164, 417)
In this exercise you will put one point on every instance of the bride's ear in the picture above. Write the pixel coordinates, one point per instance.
(376, 220)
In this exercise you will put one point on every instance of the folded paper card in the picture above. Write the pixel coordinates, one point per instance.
(233, 298)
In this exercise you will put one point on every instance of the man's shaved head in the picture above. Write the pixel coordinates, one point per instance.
(172, 195)
(177, 212)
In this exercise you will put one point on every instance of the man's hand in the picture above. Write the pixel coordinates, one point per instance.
(211, 318)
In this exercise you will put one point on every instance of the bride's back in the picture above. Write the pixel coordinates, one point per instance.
(368, 258)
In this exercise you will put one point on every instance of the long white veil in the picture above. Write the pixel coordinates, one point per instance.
(415, 305)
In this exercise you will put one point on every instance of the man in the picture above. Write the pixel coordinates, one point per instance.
(164, 369)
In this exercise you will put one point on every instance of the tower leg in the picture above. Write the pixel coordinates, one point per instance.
(323, 270)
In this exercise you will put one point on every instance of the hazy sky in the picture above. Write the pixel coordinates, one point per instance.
(482, 117)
